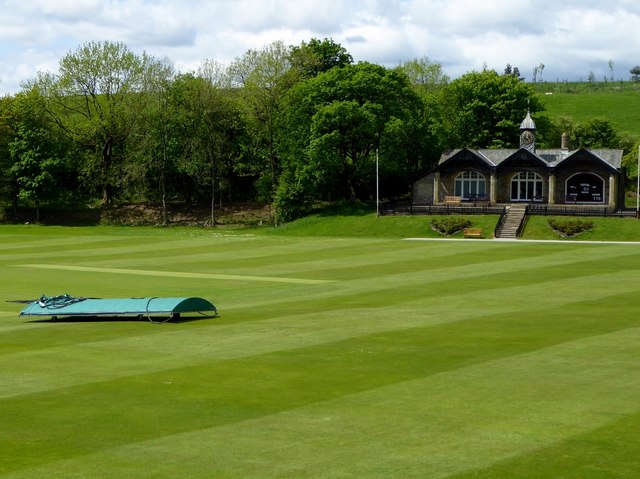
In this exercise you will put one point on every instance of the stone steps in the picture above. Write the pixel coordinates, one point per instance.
(511, 222)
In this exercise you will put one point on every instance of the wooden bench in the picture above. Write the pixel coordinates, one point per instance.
(452, 200)
(482, 201)
(473, 233)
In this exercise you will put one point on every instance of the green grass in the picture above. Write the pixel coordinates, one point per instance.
(368, 225)
(604, 229)
(458, 359)
(616, 103)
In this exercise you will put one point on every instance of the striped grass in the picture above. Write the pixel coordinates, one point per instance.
(390, 358)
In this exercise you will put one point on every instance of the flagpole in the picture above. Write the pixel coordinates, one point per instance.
(638, 187)
(378, 186)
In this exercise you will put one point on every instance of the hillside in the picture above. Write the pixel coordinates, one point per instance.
(618, 102)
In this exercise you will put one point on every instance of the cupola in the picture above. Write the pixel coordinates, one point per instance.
(528, 133)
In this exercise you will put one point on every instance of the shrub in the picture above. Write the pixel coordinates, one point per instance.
(448, 226)
(292, 200)
(568, 228)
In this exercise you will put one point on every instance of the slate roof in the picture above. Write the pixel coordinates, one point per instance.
(551, 157)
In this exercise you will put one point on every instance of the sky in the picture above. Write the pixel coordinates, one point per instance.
(571, 38)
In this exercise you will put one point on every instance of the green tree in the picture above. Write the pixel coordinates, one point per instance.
(513, 71)
(221, 128)
(635, 73)
(204, 124)
(425, 74)
(338, 119)
(8, 187)
(595, 133)
(430, 82)
(100, 98)
(186, 146)
(159, 161)
(40, 166)
(264, 77)
(318, 56)
(485, 109)
(549, 131)
(630, 160)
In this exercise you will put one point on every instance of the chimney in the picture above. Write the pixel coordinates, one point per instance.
(565, 142)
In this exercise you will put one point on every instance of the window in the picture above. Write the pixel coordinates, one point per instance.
(526, 186)
(585, 188)
(470, 185)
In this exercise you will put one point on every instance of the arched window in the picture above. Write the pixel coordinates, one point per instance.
(526, 186)
(585, 188)
(470, 185)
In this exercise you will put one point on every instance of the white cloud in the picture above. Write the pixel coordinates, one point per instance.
(571, 38)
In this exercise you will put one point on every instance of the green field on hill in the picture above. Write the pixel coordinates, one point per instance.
(341, 355)
(618, 102)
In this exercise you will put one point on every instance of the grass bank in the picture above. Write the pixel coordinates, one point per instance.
(604, 229)
(369, 225)
(614, 101)
(366, 224)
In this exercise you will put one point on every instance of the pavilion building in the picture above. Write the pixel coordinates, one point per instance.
(527, 174)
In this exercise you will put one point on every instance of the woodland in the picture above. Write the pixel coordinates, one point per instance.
(288, 127)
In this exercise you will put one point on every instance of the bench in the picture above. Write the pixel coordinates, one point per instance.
(481, 200)
(473, 233)
(452, 200)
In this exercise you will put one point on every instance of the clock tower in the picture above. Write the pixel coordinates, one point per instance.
(528, 133)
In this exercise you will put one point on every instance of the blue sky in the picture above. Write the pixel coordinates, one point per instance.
(572, 38)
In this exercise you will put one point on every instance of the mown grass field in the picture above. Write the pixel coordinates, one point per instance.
(335, 355)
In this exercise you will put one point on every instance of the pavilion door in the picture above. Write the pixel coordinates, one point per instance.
(526, 186)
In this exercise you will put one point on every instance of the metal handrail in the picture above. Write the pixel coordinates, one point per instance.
(498, 227)
(523, 223)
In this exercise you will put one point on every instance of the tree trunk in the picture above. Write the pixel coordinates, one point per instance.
(213, 195)
(165, 214)
(348, 175)
(106, 165)
(163, 186)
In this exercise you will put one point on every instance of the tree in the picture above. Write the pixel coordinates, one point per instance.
(611, 65)
(595, 133)
(264, 77)
(538, 71)
(203, 125)
(318, 56)
(221, 125)
(177, 137)
(425, 74)
(40, 166)
(337, 120)
(8, 187)
(513, 71)
(159, 118)
(484, 109)
(635, 73)
(100, 97)
(630, 159)
(549, 131)
(430, 82)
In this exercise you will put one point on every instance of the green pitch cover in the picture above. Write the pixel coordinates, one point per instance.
(66, 305)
